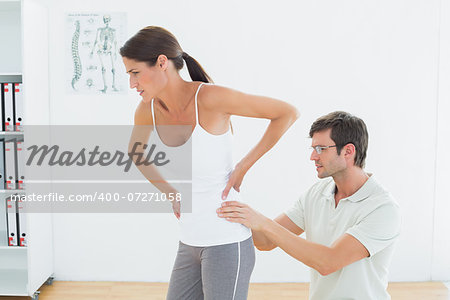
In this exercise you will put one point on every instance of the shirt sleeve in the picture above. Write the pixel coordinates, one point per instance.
(379, 229)
(297, 212)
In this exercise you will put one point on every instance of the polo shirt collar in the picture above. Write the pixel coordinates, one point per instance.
(363, 193)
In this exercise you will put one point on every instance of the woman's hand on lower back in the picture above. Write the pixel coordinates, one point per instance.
(176, 205)
(235, 180)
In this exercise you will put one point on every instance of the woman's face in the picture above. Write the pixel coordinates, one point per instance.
(148, 81)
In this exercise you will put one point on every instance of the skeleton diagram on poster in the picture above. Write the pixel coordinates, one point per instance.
(94, 65)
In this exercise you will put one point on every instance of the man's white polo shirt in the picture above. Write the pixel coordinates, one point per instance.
(372, 216)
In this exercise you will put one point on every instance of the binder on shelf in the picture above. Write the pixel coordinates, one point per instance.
(2, 105)
(20, 165)
(18, 107)
(21, 224)
(3, 221)
(8, 118)
(10, 165)
(12, 221)
(2, 165)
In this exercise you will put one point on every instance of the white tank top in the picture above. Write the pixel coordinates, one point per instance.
(212, 164)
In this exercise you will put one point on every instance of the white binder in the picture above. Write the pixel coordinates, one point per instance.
(2, 165)
(2, 100)
(20, 166)
(18, 107)
(12, 221)
(22, 224)
(10, 165)
(3, 221)
(8, 105)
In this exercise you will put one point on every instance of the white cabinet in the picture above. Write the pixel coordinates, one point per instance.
(24, 269)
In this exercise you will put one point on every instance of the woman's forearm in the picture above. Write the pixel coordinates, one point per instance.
(150, 172)
(274, 132)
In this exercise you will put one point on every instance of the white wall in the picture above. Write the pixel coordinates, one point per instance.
(376, 59)
(10, 46)
(441, 246)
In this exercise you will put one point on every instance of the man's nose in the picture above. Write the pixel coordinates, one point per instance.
(314, 155)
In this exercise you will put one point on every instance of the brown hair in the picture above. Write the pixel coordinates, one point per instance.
(345, 129)
(152, 41)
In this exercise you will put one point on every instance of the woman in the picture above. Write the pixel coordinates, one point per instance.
(215, 257)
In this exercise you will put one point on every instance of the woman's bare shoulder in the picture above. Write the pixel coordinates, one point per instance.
(143, 114)
(212, 96)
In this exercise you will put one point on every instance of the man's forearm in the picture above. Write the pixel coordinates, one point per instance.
(261, 241)
(311, 254)
(283, 233)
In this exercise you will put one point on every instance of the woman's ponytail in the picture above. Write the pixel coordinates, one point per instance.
(152, 41)
(196, 71)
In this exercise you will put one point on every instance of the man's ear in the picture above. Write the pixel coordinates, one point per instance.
(349, 151)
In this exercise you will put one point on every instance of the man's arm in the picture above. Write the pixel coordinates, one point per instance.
(263, 243)
(325, 260)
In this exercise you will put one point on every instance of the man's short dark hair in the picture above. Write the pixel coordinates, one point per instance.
(345, 129)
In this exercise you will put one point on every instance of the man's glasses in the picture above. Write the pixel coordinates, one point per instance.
(319, 149)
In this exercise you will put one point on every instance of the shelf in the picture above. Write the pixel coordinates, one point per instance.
(13, 257)
(13, 282)
(13, 248)
(12, 191)
(13, 133)
(11, 78)
(10, 1)
(13, 271)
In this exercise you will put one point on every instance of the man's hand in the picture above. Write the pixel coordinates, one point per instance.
(238, 212)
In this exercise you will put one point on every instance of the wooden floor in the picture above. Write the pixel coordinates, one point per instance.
(73, 290)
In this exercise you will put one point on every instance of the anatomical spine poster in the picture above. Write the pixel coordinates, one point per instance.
(93, 62)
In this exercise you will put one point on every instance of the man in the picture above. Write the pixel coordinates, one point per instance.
(350, 221)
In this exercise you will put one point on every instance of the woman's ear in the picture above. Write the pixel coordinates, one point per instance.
(163, 62)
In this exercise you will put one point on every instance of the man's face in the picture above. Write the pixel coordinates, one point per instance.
(328, 163)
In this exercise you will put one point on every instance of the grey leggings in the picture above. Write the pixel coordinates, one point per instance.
(212, 273)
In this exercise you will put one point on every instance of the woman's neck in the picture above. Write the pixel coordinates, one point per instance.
(177, 95)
